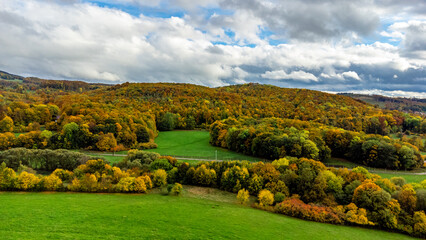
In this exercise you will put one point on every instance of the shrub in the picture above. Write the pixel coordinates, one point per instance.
(160, 164)
(297, 208)
(159, 178)
(357, 215)
(407, 198)
(7, 178)
(126, 184)
(420, 224)
(399, 181)
(75, 185)
(171, 160)
(255, 184)
(52, 182)
(147, 181)
(89, 183)
(146, 145)
(204, 176)
(26, 181)
(234, 176)
(266, 198)
(421, 199)
(143, 156)
(177, 189)
(278, 186)
(140, 185)
(279, 197)
(172, 175)
(64, 175)
(243, 196)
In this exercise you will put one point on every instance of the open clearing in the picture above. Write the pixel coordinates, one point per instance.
(410, 176)
(194, 144)
(154, 216)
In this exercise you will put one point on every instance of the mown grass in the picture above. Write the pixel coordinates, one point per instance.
(194, 144)
(409, 178)
(110, 158)
(195, 215)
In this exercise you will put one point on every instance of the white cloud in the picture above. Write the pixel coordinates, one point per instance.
(351, 74)
(296, 75)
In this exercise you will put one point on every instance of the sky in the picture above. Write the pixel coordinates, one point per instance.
(364, 46)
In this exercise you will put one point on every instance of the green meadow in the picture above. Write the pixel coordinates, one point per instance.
(199, 214)
(194, 144)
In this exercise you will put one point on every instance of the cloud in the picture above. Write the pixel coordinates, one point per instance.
(296, 75)
(395, 93)
(351, 74)
(322, 45)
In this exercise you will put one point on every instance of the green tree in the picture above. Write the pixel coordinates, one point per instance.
(167, 122)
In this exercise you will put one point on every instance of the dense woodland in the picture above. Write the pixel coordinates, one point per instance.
(260, 120)
(294, 128)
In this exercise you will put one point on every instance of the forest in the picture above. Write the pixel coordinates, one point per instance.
(294, 130)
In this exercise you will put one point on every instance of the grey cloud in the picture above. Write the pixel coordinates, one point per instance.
(90, 43)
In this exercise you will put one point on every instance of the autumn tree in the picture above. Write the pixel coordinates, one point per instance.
(6, 124)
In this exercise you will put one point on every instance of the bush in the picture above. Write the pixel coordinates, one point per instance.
(147, 181)
(64, 175)
(52, 182)
(146, 145)
(355, 215)
(266, 198)
(399, 181)
(177, 189)
(204, 176)
(243, 196)
(159, 178)
(7, 178)
(140, 185)
(126, 184)
(142, 156)
(296, 208)
(171, 160)
(89, 183)
(420, 224)
(160, 164)
(27, 181)
(279, 197)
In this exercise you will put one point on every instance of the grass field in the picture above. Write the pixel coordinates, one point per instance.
(408, 178)
(194, 144)
(155, 216)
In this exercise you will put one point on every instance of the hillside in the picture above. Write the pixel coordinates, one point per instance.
(78, 115)
(409, 105)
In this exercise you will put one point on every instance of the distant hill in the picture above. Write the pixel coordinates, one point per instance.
(410, 105)
(13, 81)
(8, 76)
